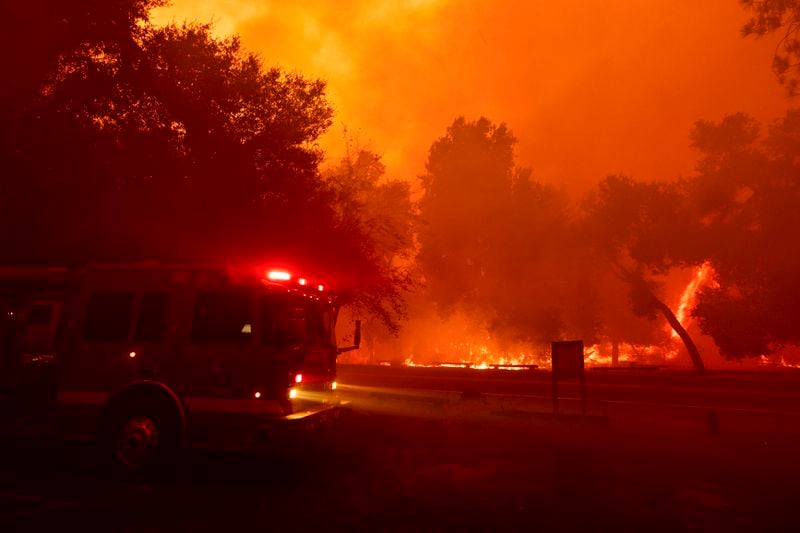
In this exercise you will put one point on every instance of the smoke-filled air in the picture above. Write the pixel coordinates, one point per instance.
(537, 139)
(588, 87)
(475, 179)
(405, 265)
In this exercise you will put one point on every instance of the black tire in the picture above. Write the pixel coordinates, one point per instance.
(141, 436)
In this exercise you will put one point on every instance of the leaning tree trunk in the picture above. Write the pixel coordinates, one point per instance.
(643, 292)
(694, 354)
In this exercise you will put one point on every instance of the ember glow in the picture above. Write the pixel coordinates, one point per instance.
(594, 356)
(481, 357)
(487, 355)
(486, 363)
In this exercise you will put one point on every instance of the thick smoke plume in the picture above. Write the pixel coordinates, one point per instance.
(589, 87)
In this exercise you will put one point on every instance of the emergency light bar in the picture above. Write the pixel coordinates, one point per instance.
(278, 275)
(284, 275)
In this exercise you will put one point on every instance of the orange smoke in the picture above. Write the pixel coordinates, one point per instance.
(590, 87)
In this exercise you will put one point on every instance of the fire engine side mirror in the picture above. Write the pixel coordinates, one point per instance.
(356, 340)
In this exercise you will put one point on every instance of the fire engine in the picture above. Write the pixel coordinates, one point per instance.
(149, 358)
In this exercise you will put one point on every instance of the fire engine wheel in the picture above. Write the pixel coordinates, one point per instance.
(137, 442)
(143, 436)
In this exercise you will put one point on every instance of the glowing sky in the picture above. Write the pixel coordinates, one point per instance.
(590, 87)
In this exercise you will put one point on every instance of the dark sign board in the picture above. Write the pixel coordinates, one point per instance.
(568, 364)
(567, 359)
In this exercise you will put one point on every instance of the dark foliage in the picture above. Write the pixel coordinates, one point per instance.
(747, 194)
(782, 16)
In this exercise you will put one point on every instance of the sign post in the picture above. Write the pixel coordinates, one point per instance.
(567, 357)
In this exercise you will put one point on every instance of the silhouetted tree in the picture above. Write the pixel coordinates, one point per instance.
(178, 143)
(35, 35)
(770, 16)
(386, 218)
(747, 193)
(467, 189)
(496, 243)
(642, 231)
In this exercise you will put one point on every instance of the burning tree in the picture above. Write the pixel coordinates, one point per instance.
(642, 231)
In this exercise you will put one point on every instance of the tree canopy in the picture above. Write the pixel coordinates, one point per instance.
(497, 243)
(771, 16)
(747, 193)
(385, 218)
(641, 231)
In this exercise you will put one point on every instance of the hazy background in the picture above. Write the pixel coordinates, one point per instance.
(590, 87)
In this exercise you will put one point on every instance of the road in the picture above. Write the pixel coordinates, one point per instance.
(418, 454)
(745, 403)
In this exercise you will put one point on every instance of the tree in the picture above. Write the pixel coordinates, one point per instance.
(36, 34)
(182, 141)
(746, 193)
(770, 16)
(641, 231)
(496, 243)
(467, 188)
(385, 215)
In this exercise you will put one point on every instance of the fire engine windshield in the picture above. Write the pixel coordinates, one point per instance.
(289, 319)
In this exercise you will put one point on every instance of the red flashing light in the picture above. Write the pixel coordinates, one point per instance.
(278, 275)
(132, 355)
(257, 395)
(298, 378)
(320, 288)
(302, 281)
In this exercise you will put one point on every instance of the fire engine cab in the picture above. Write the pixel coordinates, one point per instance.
(150, 357)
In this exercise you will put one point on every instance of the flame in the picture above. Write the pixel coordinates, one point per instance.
(488, 361)
(481, 351)
(594, 356)
(703, 277)
(786, 364)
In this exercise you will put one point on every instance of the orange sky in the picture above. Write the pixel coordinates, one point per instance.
(590, 87)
